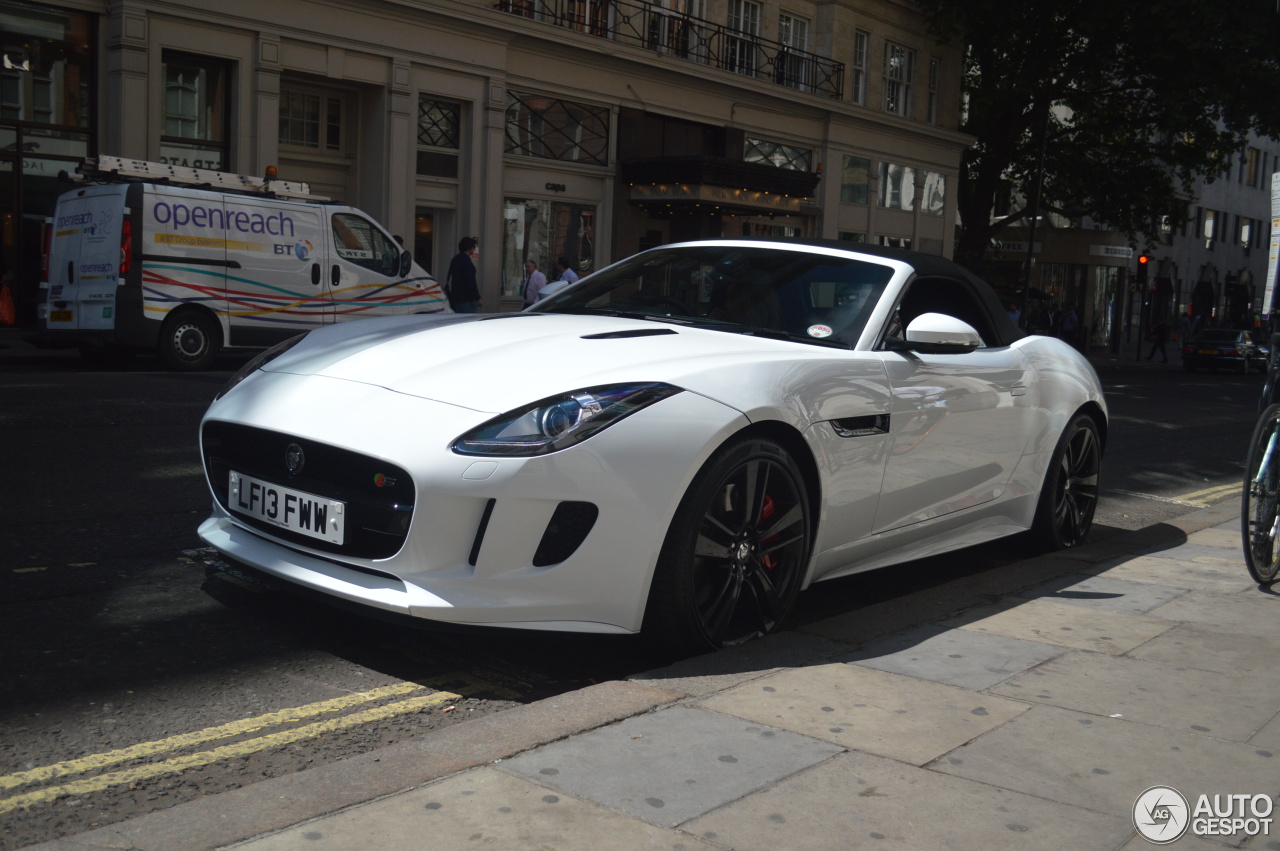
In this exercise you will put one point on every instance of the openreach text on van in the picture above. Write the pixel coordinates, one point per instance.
(216, 218)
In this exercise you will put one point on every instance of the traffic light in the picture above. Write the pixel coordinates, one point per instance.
(1144, 263)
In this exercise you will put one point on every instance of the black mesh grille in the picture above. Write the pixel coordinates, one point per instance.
(379, 496)
(565, 532)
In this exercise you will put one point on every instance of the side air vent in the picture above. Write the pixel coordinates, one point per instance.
(861, 426)
(565, 532)
(634, 332)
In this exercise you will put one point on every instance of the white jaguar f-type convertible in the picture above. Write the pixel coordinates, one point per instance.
(679, 443)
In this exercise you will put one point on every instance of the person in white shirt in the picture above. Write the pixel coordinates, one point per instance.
(534, 281)
(566, 271)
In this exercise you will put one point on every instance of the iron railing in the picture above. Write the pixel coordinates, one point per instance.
(682, 36)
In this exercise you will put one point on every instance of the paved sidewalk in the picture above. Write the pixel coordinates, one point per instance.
(1024, 707)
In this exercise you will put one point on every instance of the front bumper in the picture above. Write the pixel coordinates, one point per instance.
(470, 555)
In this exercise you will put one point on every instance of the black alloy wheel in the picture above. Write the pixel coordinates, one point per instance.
(1069, 495)
(734, 559)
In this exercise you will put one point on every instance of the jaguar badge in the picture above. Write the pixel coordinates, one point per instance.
(294, 459)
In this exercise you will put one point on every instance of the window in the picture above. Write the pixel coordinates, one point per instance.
(1246, 232)
(439, 131)
(861, 41)
(899, 77)
(195, 112)
(545, 231)
(896, 242)
(777, 154)
(897, 186)
(311, 120)
(793, 70)
(1207, 220)
(557, 129)
(851, 236)
(935, 72)
(742, 53)
(359, 241)
(1251, 167)
(46, 73)
(933, 194)
(855, 180)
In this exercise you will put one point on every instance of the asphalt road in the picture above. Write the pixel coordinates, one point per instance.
(139, 673)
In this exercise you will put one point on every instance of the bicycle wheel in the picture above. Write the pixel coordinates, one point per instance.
(1259, 518)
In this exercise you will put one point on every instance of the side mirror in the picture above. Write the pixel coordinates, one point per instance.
(937, 333)
(406, 263)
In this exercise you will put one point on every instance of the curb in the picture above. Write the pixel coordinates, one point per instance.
(271, 805)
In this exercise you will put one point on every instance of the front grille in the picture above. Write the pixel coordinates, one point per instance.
(379, 496)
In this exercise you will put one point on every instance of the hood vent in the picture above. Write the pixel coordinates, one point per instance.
(634, 332)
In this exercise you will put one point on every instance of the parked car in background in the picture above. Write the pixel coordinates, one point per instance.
(1215, 348)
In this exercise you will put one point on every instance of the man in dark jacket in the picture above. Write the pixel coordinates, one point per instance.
(464, 292)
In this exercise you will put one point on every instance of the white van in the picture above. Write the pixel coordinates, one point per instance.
(138, 257)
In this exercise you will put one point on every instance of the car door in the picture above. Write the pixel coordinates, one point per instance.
(958, 422)
(365, 268)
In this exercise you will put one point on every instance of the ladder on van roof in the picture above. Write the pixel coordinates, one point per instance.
(107, 167)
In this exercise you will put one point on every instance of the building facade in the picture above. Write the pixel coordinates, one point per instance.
(584, 129)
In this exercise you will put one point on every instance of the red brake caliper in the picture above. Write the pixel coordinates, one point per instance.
(767, 511)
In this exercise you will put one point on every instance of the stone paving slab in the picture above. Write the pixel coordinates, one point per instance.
(1063, 624)
(1105, 592)
(957, 657)
(1103, 764)
(1183, 699)
(673, 765)
(1214, 648)
(1269, 738)
(1257, 613)
(895, 716)
(1226, 536)
(862, 801)
(713, 672)
(481, 808)
(1193, 575)
(1187, 552)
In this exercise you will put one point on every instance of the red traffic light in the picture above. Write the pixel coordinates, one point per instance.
(1143, 259)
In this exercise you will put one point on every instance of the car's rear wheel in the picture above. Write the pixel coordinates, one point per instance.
(734, 558)
(1069, 495)
(189, 340)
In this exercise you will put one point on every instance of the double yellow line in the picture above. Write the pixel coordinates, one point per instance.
(246, 726)
(1208, 496)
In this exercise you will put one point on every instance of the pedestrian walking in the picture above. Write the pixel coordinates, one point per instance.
(460, 285)
(534, 281)
(1158, 337)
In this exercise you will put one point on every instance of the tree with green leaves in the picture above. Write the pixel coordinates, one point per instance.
(1125, 103)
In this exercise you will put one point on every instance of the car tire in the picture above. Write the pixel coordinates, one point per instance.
(189, 341)
(1260, 502)
(734, 558)
(1069, 495)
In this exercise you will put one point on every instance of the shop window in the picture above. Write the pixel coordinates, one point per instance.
(439, 133)
(855, 180)
(933, 193)
(897, 186)
(544, 231)
(557, 129)
(899, 78)
(195, 112)
(777, 154)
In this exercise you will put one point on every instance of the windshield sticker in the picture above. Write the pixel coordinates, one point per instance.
(820, 331)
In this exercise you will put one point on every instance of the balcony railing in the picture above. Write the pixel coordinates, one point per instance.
(685, 37)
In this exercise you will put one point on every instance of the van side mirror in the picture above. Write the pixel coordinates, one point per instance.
(406, 263)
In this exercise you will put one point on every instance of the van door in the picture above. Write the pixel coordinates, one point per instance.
(184, 255)
(364, 271)
(84, 256)
(276, 287)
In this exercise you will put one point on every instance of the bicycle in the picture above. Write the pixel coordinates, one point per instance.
(1260, 504)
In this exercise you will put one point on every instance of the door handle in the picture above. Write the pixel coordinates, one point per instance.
(71, 271)
(315, 274)
(335, 276)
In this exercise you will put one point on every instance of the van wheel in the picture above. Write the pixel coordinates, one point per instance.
(189, 341)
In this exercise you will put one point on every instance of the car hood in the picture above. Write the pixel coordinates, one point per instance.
(495, 362)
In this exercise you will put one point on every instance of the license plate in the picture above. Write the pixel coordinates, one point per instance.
(59, 315)
(297, 511)
(1210, 352)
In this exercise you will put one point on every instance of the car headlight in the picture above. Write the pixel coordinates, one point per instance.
(258, 362)
(552, 424)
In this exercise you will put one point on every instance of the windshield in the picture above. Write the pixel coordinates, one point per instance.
(775, 291)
